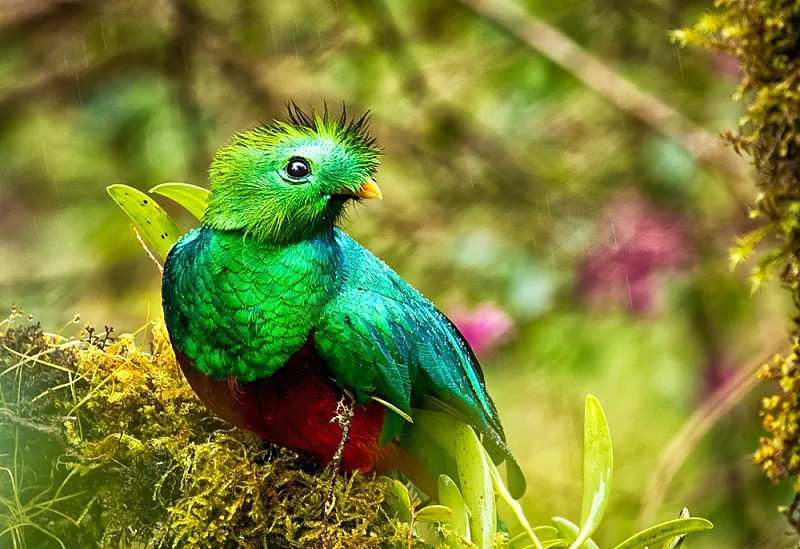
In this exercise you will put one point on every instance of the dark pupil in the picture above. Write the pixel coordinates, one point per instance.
(297, 168)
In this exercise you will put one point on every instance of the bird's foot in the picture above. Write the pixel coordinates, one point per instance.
(345, 410)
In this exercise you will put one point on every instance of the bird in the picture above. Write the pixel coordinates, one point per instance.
(277, 316)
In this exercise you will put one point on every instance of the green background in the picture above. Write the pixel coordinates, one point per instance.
(539, 186)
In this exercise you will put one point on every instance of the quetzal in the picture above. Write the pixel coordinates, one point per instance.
(275, 314)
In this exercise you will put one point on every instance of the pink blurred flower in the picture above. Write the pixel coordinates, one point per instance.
(727, 66)
(483, 327)
(642, 245)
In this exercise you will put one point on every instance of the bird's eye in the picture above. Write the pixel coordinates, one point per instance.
(297, 168)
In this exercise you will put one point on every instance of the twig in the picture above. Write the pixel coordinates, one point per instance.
(557, 47)
(147, 251)
(344, 417)
(703, 419)
(14, 419)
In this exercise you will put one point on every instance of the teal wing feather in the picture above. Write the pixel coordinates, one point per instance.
(383, 338)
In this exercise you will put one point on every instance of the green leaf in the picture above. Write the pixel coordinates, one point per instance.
(441, 427)
(154, 224)
(568, 531)
(765, 268)
(539, 531)
(191, 197)
(597, 470)
(664, 531)
(400, 506)
(476, 486)
(502, 491)
(435, 513)
(677, 541)
(549, 544)
(674, 543)
(450, 496)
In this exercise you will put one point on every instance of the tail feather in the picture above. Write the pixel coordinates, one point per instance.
(514, 476)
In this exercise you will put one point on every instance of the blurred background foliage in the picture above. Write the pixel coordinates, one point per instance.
(552, 180)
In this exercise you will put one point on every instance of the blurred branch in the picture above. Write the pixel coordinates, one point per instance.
(61, 86)
(387, 35)
(179, 68)
(699, 424)
(447, 117)
(7, 415)
(232, 61)
(560, 49)
(191, 26)
(32, 14)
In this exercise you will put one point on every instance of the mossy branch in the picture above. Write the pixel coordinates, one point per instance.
(147, 463)
(764, 35)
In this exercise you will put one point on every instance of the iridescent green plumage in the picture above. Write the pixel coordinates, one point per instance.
(269, 278)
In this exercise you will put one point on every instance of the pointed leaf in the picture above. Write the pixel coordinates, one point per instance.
(665, 530)
(445, 430)
(476, 486)
(450, 496)
(568, 531)
(435, 513)
(502, 491)
(597, 470)
(191, 197)
(400, 506)
(539, 531)
(441, 427)
(154, 224)
(674, 543)
(677, 541)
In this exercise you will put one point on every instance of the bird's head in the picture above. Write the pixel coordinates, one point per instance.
(292, 180)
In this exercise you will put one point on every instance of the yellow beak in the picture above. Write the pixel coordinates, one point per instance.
(369, 189)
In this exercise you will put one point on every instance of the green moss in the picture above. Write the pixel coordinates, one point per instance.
(764, 35)
(105, 445)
